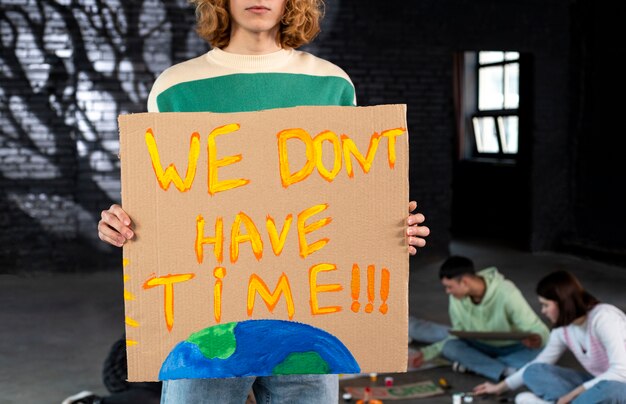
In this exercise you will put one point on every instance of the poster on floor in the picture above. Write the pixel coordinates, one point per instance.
(410, 391)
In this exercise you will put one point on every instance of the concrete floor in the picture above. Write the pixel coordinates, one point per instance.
(55, 330)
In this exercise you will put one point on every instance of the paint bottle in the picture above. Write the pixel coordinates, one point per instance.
(457, 398)
(367, 393)
(373, 377)
(367, 397)
(347, 397)
(388, 381)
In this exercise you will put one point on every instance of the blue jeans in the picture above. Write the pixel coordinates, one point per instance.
(426, 331)
(551, 382)
(322, 389)
(487, 360)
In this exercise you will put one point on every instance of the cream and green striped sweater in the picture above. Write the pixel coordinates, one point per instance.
(219, 81)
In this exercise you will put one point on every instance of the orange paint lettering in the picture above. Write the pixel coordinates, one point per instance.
(219, 273)
(278, 241)
(253, 236)
(317, 143)
(343, 148)
(256, 285)
(349, 148)
(355, 287)
(286, 177)
(168, 282)
(315, 289)
(217, 240)
(249, 232)
(214, 163)
(165, 178)
(391, 135)
(307, 249)
(371, 273)
(384, 290)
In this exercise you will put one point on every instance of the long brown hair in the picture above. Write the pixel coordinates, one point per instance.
(299, 25)
(572, 299)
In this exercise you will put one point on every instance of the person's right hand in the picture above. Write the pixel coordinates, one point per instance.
(418, 360)
(533, 342)
(490, 388)
(114, 226)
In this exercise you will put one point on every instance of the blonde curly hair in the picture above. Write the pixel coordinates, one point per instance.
(299, 25)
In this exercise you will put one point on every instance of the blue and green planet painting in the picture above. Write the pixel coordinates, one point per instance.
(257, 348)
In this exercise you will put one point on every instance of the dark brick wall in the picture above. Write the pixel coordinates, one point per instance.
(529, 204)
(403, 53)
(598, 194)
(392, 56)
(67, 71)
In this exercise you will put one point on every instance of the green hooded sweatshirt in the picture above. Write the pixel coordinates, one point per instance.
(503, 308)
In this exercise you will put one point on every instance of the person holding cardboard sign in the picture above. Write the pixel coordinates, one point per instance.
(253, 66)
(486, 301)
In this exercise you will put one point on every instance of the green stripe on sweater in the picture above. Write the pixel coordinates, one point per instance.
(254, 92)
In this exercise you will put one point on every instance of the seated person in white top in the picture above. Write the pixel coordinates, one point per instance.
(595, 333)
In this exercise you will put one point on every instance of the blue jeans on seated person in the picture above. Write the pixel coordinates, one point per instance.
(488, 360)
(427, 332)
(551, 382)
(317, 389)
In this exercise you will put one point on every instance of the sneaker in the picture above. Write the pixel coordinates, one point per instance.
(84, 397)
(458, 368)
(529, 398)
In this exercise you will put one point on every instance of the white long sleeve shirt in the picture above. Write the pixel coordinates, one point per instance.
(599, 344)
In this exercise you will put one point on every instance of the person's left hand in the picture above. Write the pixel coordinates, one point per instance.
(490, 388)
(415, 230)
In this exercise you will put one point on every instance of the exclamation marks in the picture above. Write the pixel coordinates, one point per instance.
(369, 307)
(355, 287)
(384, 290)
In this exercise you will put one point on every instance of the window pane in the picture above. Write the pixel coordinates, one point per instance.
(509, 129)
(511, 86)
(485, 133)
(490, 57)
(490, 91)
(511, 55)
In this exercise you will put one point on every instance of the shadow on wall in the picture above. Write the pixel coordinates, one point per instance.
(67, 70)
(40, 249)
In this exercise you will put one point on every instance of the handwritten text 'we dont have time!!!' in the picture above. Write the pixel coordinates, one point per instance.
(344, 151)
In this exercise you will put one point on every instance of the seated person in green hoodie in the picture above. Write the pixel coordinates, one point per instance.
(486, 301)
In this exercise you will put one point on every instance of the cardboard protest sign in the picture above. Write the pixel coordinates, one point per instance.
(267, 242)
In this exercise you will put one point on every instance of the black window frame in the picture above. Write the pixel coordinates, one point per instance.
(470, 99)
